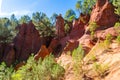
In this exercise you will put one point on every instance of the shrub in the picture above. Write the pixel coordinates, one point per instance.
(108, 39)
(5, 72)
(101, 69)
(117, 5)
(78, 63)
(118, 39)
(67, 28)
(92, 27)
(47, 69)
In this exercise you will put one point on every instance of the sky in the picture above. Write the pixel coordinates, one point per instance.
(27, 7)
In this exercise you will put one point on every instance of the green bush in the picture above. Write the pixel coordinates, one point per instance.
(101, 69)
(5, 72)
(78, 63)
(116, 3)
(92, 27)
(118, 39)
(108, 39)
(67, 28)
(47, 69)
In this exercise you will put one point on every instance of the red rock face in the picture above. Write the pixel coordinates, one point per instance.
(42, 53)
(8, 53)
(77, 30)
(53, 45)
(103, 14)
(101, 34)
(27, 41)
(60, 32)
(71, 46)
(10, 57)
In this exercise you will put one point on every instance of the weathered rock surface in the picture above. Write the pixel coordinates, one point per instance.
(60, 31)
(67, 64)
(101, 34)
(53, 45)
(10, 57)
(7, 53)
(77, 30)
(42, 53)
(71, 45)
(27, 41)
(103, 14)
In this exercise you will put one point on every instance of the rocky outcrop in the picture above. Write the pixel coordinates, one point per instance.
(7, 53)
(10, 57)
(27, 41)
(103, 14)
(101, 34)
(60, 32)
(64, 43)
(71, 45)
(42, 53)
(78, 29)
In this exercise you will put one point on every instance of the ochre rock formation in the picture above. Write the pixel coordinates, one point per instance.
(60, 32)
(103, 14)
(71, 45)
(77, 30)
(7, 53)
(27, 41)
(42, 53)
(53, 45)
(64, 43)
(101, 34)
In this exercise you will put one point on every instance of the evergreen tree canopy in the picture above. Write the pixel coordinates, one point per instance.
(70, 15)
(85, 6)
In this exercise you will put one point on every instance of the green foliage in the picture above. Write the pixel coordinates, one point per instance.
(24, 19)
(101, 69)
(85, 6)
(67, 28)
(116, 3)
(78, 63)
(70, 15)
(108, 39)
(118, 39)
(92, 27)
(43, 24)
(53, 18)
(5, 36)
(79, 6)
(117, 24)
(47, 69)
(7, 30)
(5, 72)
(117, 27)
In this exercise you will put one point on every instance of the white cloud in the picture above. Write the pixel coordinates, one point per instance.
(17, 13)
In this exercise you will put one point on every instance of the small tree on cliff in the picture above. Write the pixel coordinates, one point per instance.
(70, 15)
